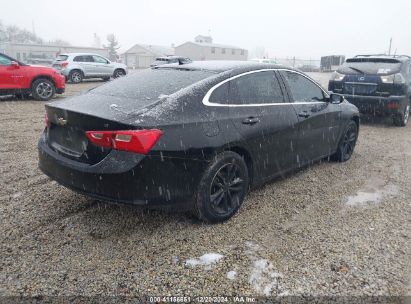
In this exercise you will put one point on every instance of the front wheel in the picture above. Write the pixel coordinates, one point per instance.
(119, 73)
(347, 143)
(43, 89)
(222, 188)
(401, 120)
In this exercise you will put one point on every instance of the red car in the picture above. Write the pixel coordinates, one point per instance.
(17, 78)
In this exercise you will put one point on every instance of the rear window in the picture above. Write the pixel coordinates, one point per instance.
(370, 66)
(62, 57)
(150, 85)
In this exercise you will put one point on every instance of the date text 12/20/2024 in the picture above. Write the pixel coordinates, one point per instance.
(201, 299)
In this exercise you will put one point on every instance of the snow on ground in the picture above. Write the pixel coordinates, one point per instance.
(232, 275)
(206, 259)
(373, 193)
(263, 278)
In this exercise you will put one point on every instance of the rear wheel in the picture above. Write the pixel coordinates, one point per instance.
(119, 73)
(401, 120)
(347, 143)
(222, 188)
(43, 89)
(76, 76)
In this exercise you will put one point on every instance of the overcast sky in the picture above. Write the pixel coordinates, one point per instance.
(305, 29)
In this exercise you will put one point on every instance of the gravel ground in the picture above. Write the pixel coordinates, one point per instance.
(331, 229)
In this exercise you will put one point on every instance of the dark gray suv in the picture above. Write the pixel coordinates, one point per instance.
(377, 85)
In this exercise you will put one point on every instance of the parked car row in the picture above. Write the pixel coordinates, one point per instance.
(42, 83)
(23, 80)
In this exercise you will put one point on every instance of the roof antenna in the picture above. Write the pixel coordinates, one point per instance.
(395, 53)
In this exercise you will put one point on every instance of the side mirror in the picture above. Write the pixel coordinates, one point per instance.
(336, 98)
(14, 64)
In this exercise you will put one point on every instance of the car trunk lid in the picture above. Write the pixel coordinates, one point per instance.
(66, 134)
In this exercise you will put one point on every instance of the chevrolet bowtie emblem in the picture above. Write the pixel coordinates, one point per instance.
(61, 121)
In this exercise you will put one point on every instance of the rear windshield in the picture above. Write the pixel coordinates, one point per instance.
(370, 66)
(150, 85)
(61, 57)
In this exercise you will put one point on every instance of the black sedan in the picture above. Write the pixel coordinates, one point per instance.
(196, 135)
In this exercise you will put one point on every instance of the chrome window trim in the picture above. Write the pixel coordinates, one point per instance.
(207, 102)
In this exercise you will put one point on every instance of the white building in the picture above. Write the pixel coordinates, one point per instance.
(203, 48)
(44, 53)
(140, 56)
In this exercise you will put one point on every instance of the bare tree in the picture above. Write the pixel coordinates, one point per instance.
(112, 47)
(12, 33)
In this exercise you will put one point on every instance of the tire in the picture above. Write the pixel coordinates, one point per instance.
(119, 73)
(401, 120)
(222, 188)
(76, 76)
(347, 143)
(43, 89)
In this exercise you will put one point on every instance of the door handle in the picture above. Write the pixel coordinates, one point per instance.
(251, 121)
(304, 114)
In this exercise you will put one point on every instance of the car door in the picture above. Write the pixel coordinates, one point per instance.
(264, 118)
(11, 77)
(318, 119)
(103, 66)
(86, 63)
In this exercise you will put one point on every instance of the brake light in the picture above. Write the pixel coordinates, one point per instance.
(393, 105)
(137, 141)
(64, 64)
(46, 120)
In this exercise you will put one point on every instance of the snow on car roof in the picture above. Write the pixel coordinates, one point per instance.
(222, 65)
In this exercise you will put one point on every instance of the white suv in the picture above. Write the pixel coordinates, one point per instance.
(78, 66)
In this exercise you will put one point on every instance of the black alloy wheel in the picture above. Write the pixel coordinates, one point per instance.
(347, 142)
(222, 188)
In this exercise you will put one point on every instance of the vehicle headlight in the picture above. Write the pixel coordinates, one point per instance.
(337, 76)
(393, 78)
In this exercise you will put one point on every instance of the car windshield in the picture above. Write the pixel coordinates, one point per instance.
(370, 66)
(150, 85)
(61, 57)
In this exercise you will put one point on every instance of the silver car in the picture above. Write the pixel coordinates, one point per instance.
(78, 66)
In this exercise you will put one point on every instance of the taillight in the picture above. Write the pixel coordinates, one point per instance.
(393, 105)
(64, 64)
(138, 141)
(46, 120)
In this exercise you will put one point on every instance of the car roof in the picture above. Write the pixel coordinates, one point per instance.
(79, 54)
(171, 57)
(219, 66)
(384, 56)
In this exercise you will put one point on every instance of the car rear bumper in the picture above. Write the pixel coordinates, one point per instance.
(125, 177)
(377, 105)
